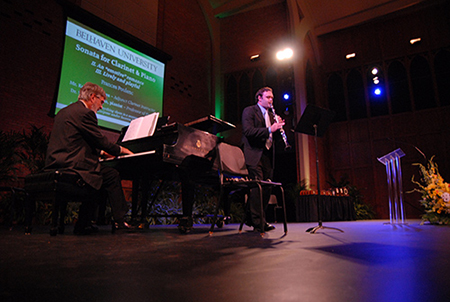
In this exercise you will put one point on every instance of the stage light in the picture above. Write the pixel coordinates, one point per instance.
(374, 71)
(286, 96)
(350, 56)
(375, 75)
(285, 54)
(254, 58)
(376, 81)
(414, 41)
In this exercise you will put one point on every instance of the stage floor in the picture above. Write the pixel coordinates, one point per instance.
(369, 261)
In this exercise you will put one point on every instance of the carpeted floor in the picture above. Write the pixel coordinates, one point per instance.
(368, 261)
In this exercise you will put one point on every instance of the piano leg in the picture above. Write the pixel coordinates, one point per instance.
(187, 197)
(145, 183)
(160, 186)
(140, 184)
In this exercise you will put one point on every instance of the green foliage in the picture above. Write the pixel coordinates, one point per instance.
(205, 203)
(22, 149)
(72, 212)
(435, 194)
(435, 218)
(167, 204)
(341, 183)
(9, 171)
(237, 202)
(43, 213)
(9, 158)
(20, 153)
(363, 211)
(33, 148)
(11, 208)
(167, 207)
(291, 191)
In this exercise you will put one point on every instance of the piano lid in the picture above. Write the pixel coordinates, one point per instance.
(210, 124)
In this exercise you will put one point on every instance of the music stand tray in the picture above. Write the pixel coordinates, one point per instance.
(314, 116)
(210, 124)
(315, 121)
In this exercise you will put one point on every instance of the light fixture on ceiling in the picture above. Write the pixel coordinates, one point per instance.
(374, 71)
(254, 58)
(350, 56)
(415, 40)
(285, 54)
(375, 75)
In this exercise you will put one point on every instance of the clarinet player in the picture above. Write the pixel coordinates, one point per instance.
(258, 129)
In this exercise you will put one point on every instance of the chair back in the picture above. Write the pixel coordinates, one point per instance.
(231, 160)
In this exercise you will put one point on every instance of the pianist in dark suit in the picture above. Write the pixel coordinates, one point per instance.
(75, 144)
(258, 151)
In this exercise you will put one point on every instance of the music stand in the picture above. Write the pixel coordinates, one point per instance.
(315, 121)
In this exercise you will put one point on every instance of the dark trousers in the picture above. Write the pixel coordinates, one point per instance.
(262, 171)
(112, 190)
(113, 186)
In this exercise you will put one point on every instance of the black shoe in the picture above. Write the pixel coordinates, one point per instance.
(267, 228)
(120, 226)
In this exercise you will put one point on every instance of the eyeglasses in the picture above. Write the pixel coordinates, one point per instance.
(100, 98)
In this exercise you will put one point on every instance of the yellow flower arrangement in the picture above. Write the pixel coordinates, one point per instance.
(435, 194)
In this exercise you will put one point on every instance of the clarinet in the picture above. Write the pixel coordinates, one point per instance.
(283, 134)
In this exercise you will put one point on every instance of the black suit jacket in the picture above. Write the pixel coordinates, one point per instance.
(75, 143)
(255, 133)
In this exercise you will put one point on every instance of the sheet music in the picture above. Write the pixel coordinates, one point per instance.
(141, 127)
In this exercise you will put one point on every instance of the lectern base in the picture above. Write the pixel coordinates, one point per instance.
(396, 223)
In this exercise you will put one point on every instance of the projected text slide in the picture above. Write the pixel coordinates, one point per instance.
(132, 80)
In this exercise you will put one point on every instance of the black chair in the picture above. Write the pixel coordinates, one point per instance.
(58, 187)
(233, 175)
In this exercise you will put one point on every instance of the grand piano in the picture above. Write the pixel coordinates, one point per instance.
(172, 151)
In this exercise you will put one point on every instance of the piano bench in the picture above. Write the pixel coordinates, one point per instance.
(59, 187)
